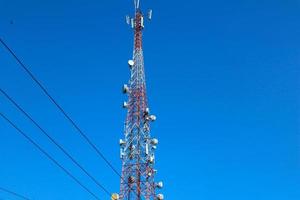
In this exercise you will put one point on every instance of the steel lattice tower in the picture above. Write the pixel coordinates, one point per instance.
(137, 149)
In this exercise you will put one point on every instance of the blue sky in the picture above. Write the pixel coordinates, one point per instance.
(222, 78)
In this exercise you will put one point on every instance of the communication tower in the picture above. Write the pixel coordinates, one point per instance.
(137, 149)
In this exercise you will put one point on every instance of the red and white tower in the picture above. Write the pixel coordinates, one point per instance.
(138, 147)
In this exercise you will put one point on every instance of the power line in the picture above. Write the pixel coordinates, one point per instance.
(14, 193)
(88, 140)
(54, 141)
(48, 155)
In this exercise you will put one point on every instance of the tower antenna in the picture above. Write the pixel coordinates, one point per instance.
(137, 4)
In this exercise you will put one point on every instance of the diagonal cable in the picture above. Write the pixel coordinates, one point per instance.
(14, 193)
(48, 155)
(54, 142)
(87, 139)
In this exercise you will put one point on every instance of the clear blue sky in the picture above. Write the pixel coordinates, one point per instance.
(222, 78)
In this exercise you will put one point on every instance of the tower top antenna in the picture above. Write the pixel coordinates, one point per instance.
(137, 4)
(137, 21)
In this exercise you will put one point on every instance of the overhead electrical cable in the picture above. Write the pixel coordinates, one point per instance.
(48, 155)
(14, 193)
(55, 142)
(88, 140)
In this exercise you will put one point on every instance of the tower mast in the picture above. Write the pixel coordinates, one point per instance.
(138, 147)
